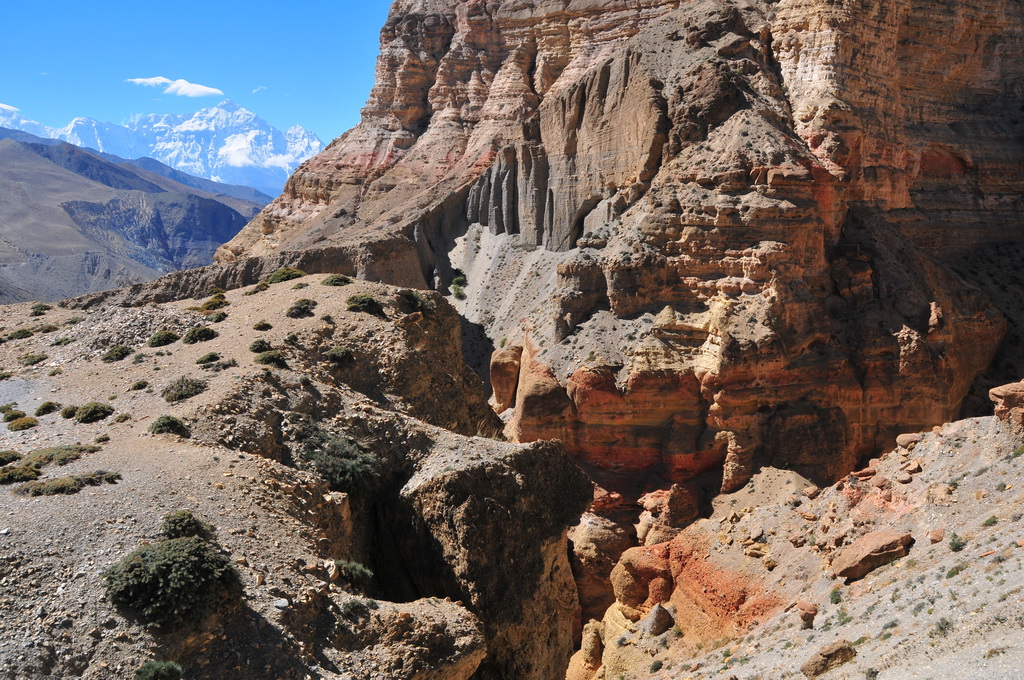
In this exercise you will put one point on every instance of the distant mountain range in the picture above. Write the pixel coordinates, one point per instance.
(74, 221)
(224, 143)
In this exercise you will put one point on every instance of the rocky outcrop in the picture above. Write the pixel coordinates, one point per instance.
(1009, 404)
(743, 209)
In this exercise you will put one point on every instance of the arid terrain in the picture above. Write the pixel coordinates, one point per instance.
(631, 339)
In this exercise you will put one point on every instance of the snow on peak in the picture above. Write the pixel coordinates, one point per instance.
(225, 143)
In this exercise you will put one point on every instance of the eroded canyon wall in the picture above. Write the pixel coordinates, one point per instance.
(716, 228)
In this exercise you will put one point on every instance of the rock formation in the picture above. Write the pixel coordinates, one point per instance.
(716, 229)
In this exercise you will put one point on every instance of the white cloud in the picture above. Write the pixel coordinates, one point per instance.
(12, 109)
(259, 88)
(180, 87)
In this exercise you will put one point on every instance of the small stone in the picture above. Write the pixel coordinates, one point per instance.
(909, 439)
(904, 477)
(281, 604)
(937, 535)
(812, 491)
(241, 561)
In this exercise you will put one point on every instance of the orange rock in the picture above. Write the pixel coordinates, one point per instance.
(505, 364)
(937, 535)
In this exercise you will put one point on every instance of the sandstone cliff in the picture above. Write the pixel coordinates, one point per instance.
(717, 229)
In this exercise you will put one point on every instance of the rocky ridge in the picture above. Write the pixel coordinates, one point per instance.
(452, 594)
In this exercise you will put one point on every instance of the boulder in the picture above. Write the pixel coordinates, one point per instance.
(869, 552)
(807, 611)
(830, 656)
(505, 364)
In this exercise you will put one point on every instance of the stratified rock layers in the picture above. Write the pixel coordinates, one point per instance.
(760, 194)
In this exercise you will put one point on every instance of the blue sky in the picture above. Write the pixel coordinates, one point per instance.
(309, 63)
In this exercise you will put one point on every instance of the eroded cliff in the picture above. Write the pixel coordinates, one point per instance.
(716, 229)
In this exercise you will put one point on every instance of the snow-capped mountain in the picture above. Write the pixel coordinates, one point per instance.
(10, 118)
(225, 143)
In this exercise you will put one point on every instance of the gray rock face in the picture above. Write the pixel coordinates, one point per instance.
(74, 222)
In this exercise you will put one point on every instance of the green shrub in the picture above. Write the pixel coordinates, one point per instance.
(158, 670)
(117, 353)
(301, 309)
(258, 288)
(19, 334)
(9, 456)
(337, 280)
(656, 666)
(61, 342)
(13, 415)
(22, 424)
(22, 473)
(339, 355)
(140, 385)
(216, 302)
(39, 309)
(457, 292)
(262, 326)
(47, 407)
(122, 418)
(199, 334)
(220, 365)
(183, 388)
(217, 317)
(410, 301)
(260, 345)
(358, 575)
(364, 303)
(300, 285)
(60, 455)
(68, 485)
(285, 274)
(47, 328)
(162, 338)
(68, 412)
(835, 597)
(32, 359)
(169, 425)
(208, 358)
(183, 523)
(342, 462)
(93, 412)
(173, 583)
(990, 522)
(943, 627)
(956, 542)
(272, 358)
(4, 375)
(459, 280)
